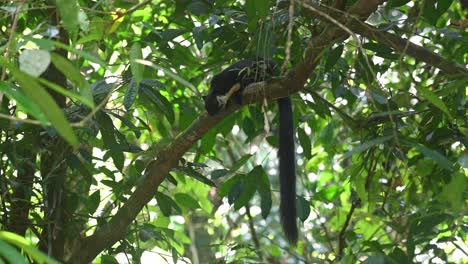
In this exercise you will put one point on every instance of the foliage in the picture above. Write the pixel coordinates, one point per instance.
(8, 252)
(381, 134)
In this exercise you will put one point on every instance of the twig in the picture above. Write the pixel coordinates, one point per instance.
(132, 9)
(341, 236)
(253, 233)
(12, 34)
(193, 247)
(289, 40)
(459, 247)
(26, 121)
(93, 112)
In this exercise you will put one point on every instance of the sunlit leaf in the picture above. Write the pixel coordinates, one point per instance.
(137, 68)
(34, 62)
(26, 246)
(74, 75)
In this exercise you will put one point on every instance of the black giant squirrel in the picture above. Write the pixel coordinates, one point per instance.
(230, 83)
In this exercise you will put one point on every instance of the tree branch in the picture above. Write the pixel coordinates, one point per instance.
(168, 157)
(400, 45)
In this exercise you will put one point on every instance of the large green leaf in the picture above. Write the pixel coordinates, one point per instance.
(45, 102)
(28, 105)
(69, 13)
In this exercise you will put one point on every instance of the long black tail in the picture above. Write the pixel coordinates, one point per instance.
(287, 170)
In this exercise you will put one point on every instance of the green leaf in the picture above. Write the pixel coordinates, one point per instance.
(376, 260)
(119, 159)
(137, 68)
(397, 3)
(265, 203)
(65, 92)
(26, 247)
(427, 224)
(45, 102)
(198, 8)
(434, 99)
(262, 7)
(440, 159)
(186, 200)
(170, 73)
(200, 34)
(303, 208)
(247, 193)
(463, 160)
(381, 50)
(131, 93)
(377, 47)
(452, 193)
(263, 188)
(50, 44)
(69, 14)
(164, 203)
(333, 58)
(74, 75)
(197, 176)
(434, 9)
(93, 202)
(24, 102)
(227, 186)
(304, 140)
(240, 162)
(127, 122)
(250, 9)
(10, 254)
(161, 102)
(329, 193)
(216, 174)
(170, 34)
(34, 62)
(107, 130)
(366, 145)
(248, 127)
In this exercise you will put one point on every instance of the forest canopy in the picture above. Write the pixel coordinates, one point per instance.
(107, 154)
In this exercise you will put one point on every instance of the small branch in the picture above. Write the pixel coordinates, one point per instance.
(327, 234)
(289, 39)
(132, 9)
(399, 44)
(253, 233)
(12, 35)
(341, 236)
(460, 248)
(21, 120)
(193, 238)
(416, 51)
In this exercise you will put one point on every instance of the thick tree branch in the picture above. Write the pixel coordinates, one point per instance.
(400, 45)
(168, 157)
